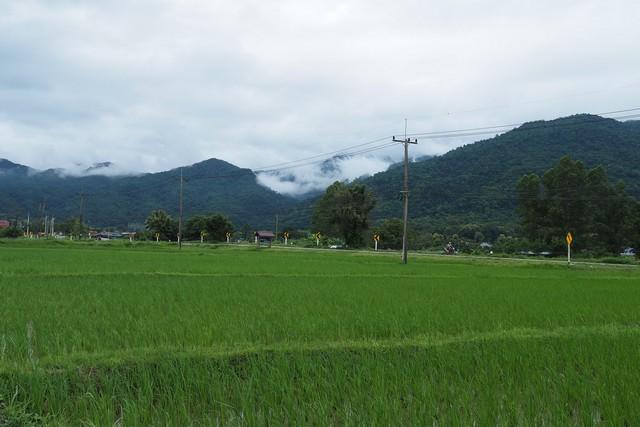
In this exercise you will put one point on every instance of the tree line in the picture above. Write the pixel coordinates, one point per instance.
(212, 227)
(601, 216)
(571, 198)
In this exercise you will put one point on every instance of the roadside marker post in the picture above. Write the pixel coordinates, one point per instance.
(228, 236)
(569, 241)
(376, 238)
(317, 236)
(286, 237)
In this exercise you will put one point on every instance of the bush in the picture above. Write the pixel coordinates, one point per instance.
(11, 232)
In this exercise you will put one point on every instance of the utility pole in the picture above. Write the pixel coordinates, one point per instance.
(41, 220)
(180, 220)
(405, 191)
(28, 219)
(276, 227)
(81, 209)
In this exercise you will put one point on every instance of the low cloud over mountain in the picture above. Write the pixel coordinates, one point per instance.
(310, 179)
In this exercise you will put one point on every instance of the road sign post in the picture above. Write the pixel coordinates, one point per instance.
(569, 241)
(317, 235)
(228, 236)
(376, 238)
(286, 237)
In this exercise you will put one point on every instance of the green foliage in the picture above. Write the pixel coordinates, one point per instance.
(210, 186)
(73, 226)
(473, 184)
(510, 245)
(213, 227)
(159, 222)
(476, 183)
(390, 232)
(11, 232)
(570, 198)
(343, 212)
(16, 414)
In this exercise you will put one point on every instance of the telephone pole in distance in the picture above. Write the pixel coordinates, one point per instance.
(180, 220)
(405, 191)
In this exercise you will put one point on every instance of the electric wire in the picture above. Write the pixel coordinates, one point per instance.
(369, 147)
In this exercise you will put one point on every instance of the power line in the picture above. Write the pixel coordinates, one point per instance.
(544, 124)
(369, 147)
(365, 148)
(328, 154)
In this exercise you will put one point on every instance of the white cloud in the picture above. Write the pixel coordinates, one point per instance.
(151, 85)
(300, 180)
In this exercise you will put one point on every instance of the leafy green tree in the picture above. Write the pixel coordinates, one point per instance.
(161, 223)
(610, 210)
(11, 232)
(195, 226)
(390, 232)
(73, 227)
(633, 227)
(246, 232)
(343, 211)
(437, 240)
(215, 226)
(571, 198)
(531, 207)
(566, 198)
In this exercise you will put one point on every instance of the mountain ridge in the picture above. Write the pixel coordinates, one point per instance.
(211, 185)
(473, 183)
(481, 177)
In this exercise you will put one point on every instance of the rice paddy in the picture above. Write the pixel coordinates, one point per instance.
(144, 334)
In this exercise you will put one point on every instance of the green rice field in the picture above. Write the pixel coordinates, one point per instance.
(109, 334)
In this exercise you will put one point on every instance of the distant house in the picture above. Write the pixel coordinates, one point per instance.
(4, 223)
(264, 237)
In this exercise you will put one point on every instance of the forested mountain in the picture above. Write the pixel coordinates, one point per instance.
(210, 186)
(473, 184)
(476, 183)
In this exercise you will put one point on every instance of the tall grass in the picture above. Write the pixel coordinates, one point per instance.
(147, 335)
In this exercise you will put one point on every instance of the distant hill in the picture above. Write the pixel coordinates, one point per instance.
(476, 183)
(121, 201)
(472, 184)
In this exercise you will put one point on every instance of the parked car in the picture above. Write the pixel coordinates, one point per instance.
(628, 252)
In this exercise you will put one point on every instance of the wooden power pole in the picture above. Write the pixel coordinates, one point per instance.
(180, 220)
(405, 190)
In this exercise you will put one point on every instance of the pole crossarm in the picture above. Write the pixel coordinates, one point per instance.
(406, 140)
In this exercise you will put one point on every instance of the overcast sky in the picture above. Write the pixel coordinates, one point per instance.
(152, 85)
